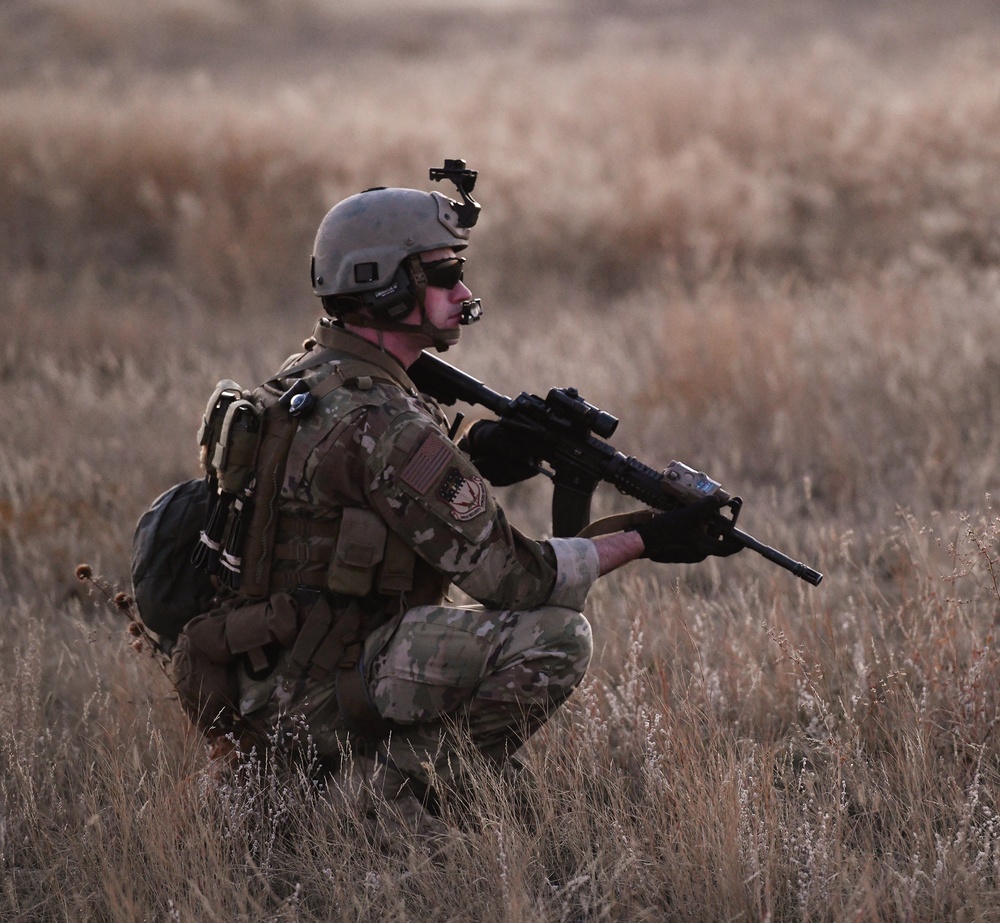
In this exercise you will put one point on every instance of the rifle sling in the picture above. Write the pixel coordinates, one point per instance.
(616, 523)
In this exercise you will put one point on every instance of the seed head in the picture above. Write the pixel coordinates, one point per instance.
(84, 572)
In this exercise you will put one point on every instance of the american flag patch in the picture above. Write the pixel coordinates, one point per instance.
(426, 464)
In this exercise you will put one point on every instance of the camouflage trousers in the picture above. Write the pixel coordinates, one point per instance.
(442, 676)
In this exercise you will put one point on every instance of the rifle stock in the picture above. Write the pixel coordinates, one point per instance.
(560, 430)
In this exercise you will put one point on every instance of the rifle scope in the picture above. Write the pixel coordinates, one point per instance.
(580, 414)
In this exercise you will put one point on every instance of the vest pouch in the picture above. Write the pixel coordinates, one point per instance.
(236, 449)
(396, 575)
(251, 629)
(226, 391)
(201, 671)
(360, 549)
(203, 662)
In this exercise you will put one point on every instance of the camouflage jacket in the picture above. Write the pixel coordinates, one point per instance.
(408, 511)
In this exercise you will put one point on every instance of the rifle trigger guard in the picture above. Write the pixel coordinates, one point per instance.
(735, 504)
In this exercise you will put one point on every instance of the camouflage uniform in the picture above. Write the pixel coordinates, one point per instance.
(373, 456)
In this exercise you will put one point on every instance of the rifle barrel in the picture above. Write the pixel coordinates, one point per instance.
(803, 571)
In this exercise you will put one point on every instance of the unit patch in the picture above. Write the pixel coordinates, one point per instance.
(466, 497)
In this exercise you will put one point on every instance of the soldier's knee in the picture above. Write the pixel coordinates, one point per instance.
(578, 636)
(566, 635)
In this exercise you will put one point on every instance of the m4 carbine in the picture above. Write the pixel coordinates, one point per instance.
(569, 434)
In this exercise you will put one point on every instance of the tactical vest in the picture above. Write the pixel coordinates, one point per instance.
(248, 541)
(316, 585)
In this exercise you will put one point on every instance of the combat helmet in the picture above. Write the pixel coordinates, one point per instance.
(364, 262)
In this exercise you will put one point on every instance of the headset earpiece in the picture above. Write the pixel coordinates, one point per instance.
(394, 301)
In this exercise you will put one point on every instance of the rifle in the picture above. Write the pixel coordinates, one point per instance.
(569, 434)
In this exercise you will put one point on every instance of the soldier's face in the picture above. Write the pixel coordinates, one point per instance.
(444, 305)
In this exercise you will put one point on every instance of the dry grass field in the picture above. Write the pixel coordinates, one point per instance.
(766, 236)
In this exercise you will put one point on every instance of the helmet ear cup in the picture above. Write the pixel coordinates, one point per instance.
(394, 301)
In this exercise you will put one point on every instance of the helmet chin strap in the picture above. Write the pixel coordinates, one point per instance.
(441, 337)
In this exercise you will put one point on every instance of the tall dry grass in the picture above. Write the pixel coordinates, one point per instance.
(772, 254)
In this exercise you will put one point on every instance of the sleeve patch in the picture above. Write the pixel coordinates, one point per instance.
(465, 496)
(426, 464)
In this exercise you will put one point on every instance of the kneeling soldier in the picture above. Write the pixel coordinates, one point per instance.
(376, 511)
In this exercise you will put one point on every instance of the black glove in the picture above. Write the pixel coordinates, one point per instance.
(682, 536)
(499, 455)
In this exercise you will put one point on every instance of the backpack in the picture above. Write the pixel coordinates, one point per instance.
(172, 582)
(187, 546)
(168, 589)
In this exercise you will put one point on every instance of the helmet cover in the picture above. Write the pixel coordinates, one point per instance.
(363, 239)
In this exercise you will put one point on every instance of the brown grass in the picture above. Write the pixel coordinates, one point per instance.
(765, 239)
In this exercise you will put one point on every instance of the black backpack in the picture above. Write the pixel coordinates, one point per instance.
(172, 584)
(169, 590)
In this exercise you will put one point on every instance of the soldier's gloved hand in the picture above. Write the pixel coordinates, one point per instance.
(681, 536)
(495, 450)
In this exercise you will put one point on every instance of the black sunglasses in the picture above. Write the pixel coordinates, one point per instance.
(446, 273)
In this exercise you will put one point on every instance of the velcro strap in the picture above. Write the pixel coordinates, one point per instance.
(283, 618)
(295, 525)
(309, 577)
(332, 653)
(258, 659)
(307, 362)
(328, 385)
(303, 552)
(315, 628)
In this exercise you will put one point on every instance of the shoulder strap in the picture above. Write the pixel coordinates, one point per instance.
(277, 432)
(305, 364)
(339, 340)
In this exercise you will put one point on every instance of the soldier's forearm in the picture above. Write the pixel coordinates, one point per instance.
(617, 549)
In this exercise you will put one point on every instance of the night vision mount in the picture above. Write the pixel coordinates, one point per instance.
(465, 181)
